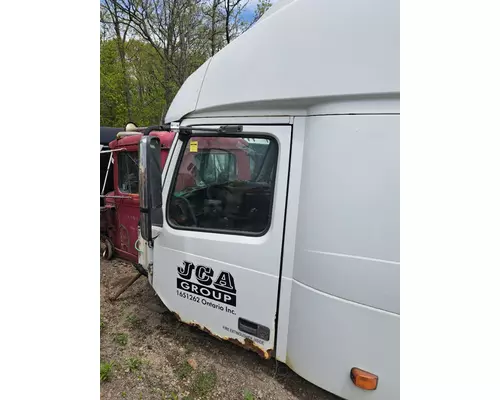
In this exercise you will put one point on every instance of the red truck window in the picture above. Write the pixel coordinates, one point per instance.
(128, 172)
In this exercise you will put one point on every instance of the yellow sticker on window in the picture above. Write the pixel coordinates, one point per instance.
(193, 147)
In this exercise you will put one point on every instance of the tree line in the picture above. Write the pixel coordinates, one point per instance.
(149, 47)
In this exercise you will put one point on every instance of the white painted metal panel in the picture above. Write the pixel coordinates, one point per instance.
(341, 255)
(254, 262)
(187, 97)
(307, 49)
(291, 228)
(347, 240)
(328, 336)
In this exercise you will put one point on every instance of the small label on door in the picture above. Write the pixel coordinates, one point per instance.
(193, 147)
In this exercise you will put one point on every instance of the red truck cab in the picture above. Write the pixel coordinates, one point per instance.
(120, 217)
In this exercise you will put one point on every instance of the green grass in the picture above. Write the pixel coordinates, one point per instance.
(106, 371)
(133, 364)
(133, 320)
(247, 395)
(204, 383)
(184, 370)
(171, 396)
(121, 339)
(103, 324)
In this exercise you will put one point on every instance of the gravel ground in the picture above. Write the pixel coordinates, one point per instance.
(147, 354)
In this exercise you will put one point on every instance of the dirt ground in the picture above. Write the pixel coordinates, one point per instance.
(147, 354)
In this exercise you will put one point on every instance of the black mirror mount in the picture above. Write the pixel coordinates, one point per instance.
(150, 186)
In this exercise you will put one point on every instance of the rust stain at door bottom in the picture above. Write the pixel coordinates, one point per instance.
(247, 344)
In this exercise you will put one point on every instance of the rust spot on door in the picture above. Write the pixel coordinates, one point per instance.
(247, 344)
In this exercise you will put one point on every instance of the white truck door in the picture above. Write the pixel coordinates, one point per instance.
(217, 256)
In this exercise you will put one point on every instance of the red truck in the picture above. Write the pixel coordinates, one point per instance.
(120, 211)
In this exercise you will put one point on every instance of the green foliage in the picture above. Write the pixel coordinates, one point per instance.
(141, 72)
(121, 339)
(113, 101)
(261, 8)
(184, 370)
(133, 363)
(106, 371)
(143, 78)
(204, 383)
(133, 320)
(247, 395)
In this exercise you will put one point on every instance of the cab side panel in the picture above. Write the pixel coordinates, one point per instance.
(344, 309)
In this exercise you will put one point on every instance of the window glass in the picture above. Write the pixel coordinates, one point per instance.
(224, 184)
(128, 172)
(215, 166)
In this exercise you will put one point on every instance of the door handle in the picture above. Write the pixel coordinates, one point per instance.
(254, 329)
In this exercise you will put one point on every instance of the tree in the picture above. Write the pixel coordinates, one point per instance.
(113, 102)
(170, 28)
(215, 24)
(260, 9)
(150, 47)
(232, 14)
(111, 10)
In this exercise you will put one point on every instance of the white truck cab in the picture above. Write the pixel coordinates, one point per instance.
(275, 222)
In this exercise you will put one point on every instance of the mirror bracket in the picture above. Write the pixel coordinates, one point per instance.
(150, 201)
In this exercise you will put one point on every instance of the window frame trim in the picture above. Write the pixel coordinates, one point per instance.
(239, 135)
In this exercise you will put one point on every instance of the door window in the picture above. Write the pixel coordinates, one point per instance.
(128, 172)
(224, 184)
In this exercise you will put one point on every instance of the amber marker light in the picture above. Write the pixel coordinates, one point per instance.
(363, 379)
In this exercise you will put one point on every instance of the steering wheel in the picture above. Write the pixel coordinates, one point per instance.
(186, 209)
(222, 193)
